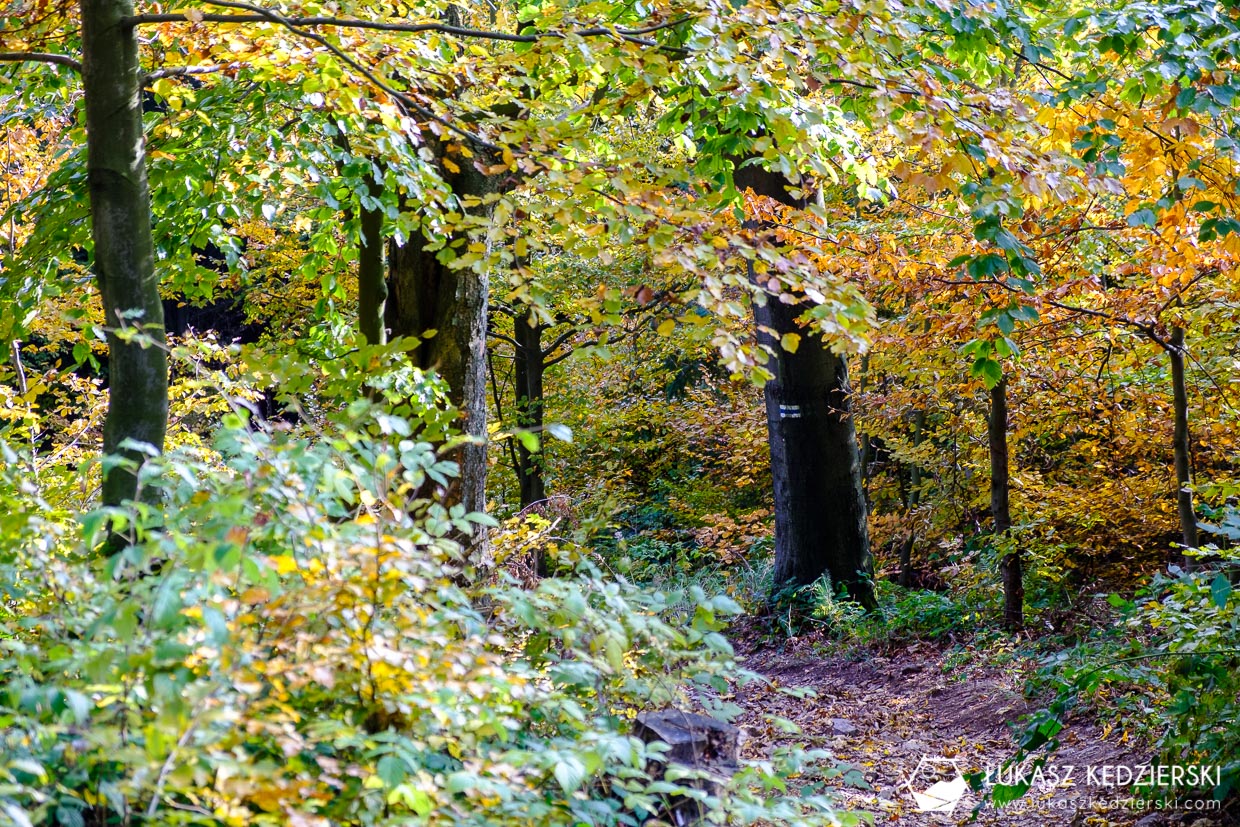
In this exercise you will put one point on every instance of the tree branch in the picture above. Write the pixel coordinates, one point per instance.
(551, 348)
(259, 15)
(501, 337)
(41, 57)
(179, 71)
(549, 362)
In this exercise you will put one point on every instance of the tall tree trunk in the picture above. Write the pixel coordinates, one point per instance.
(120, 208)
(528, 370)
(1183, 463)
(372, 291)
(820, 508)
(1000, 509)
(820, 514)
(425, 294)
(914, 498)
(867, 442)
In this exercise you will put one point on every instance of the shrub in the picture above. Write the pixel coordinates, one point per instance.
(1170, 668)
(292, 636)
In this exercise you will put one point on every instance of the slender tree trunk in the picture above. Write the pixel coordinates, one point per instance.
(867, 446)
(1183, 463)
(914, 498)
(425, 294)
(820, 514)
(1000, 510)
(120, 208)
(372, 291)
(528, 370)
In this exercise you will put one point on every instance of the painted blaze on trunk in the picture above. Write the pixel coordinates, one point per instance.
(820, 513)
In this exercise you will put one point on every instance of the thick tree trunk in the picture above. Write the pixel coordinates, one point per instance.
(820, 507)
(1183, 462)
(372, 291)
(424, 294)
(1000, 509)
(121, 231)
(528, 370)
(820, 514)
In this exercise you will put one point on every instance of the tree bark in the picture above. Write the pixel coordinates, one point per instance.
(820, 514)
(820, 506)
(528, 370)
(372, 291)
(1000, 508)
(914, 499)
(1183, 462)
(426, 294)
(121, 231)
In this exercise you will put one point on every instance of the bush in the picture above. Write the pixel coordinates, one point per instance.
(292, 636)
(1170, 668)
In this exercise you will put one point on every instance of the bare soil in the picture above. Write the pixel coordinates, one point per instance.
(886, 715)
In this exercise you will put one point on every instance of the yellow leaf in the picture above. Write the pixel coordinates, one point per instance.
(666, 327)
(790, 342)
(451, 167)
(255, 595)
(283, 564)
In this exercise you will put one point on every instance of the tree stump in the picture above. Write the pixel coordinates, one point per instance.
(698, 742)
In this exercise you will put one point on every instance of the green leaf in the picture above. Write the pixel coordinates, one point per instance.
(1220, 590)
(529, 440)
(570, 772)
(461, 781)
(391, 769)
(1003, 794)
(988, 370)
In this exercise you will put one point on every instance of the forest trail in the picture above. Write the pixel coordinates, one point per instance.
(883, 715)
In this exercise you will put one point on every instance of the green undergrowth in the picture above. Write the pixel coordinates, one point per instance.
(1167, 672)
(293, 634)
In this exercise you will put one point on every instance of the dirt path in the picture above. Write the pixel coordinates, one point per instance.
(886, 716)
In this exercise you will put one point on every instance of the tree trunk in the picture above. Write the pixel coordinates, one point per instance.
(914, 499)
(1000, 510)
(820, 515)
(528, 370)
(120, 208)
(867, 443)
(1183, 463)
(425, 294)
(372, 291)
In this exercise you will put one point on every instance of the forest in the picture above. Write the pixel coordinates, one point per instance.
(619, 412)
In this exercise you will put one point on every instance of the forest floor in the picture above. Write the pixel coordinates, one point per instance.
(906, 718)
